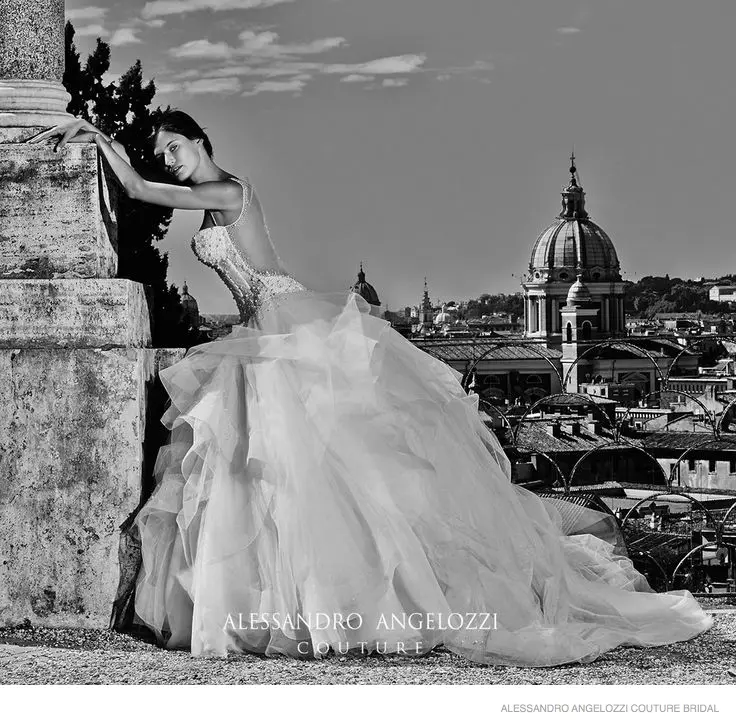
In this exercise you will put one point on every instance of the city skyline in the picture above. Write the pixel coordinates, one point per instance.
(433, 139)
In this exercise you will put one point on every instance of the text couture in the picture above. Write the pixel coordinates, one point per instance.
(412, 623)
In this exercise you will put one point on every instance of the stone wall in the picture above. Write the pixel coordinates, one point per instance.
(78, 437)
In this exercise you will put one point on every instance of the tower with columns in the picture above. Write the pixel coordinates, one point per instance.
(580, 320)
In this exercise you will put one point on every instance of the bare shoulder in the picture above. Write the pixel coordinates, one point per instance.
(223, 194)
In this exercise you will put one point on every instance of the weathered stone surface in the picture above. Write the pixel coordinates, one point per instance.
(32, 39)
(57, 214)
(74, 444)
(73, 313)
(14, 134)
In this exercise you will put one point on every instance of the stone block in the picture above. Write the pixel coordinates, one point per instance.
(57, 217)
(78, 435)
(73, 313)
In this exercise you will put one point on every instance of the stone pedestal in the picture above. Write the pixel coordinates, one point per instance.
(57, 215)
(81, 400)
(81, 405)
(74, 426)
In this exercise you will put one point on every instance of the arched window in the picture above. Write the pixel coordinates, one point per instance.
(587, 330)
(568, 334)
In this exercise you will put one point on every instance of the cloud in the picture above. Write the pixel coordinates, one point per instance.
(180, 7)
(294, 85)
(578, 21)
(95, 30)
(91, 12)
(202, 49)
(394, 82)
(124, 36)
(168, 87)
(357, 78)
(265, 45)
(262, 45)
(381, 66)
(201, 86)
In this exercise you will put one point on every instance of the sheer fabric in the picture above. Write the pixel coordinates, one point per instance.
(329, 485)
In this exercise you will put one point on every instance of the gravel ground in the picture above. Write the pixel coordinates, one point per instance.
(67, 656)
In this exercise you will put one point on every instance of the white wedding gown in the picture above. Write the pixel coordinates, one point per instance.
(326, 479)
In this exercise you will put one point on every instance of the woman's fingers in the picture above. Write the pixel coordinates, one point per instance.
(64, 131)
(69, 133)
(45, 135)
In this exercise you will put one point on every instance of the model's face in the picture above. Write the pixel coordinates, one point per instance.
(178, 154)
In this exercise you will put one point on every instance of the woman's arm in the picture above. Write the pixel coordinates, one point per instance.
(78, 131)
(221, 195)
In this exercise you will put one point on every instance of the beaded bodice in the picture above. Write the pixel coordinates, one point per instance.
(223, 249)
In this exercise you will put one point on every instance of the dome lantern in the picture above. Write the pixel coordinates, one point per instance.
(573, 196)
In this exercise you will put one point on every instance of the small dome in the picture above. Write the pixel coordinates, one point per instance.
(365, 290)
(442, 318)
(578, 293)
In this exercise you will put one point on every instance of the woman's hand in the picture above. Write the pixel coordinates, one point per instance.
(76, 131)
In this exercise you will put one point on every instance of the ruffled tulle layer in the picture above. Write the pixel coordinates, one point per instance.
(329, 484)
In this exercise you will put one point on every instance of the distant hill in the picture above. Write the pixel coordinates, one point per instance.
(652, 295)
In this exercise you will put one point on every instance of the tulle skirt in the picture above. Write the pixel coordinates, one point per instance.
(330, 486)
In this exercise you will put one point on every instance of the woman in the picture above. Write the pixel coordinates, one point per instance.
(329, 486)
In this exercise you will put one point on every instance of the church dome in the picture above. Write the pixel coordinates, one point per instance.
(573, 243)
(365, 290)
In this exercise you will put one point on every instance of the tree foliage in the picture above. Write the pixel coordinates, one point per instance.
(652, 295)
(121, 109)
(487, 304)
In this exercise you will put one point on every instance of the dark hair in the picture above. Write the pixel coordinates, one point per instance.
(176, 121)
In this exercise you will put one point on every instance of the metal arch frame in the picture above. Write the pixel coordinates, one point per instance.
(587, 399)
(689, 348)
(711, 419)
(607, 343)
(699, 547)
(630, 446)
(659, 494)
(478, 358)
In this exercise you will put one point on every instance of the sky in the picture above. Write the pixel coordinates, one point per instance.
(432, 137)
